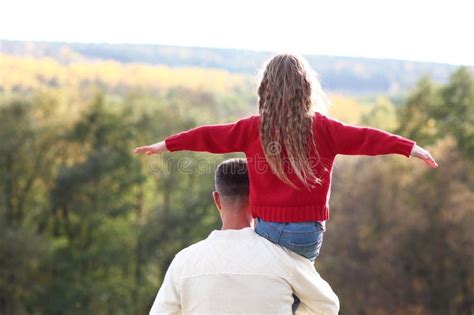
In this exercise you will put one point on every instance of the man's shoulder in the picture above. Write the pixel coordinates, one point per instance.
(191, 248)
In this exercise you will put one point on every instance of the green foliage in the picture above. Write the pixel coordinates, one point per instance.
(381, 115)
(405, 244)
(415, 116)
(432, 113)
(455, 113)
(401, 244)
(86, 226)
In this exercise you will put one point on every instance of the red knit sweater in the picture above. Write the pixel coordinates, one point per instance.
(270, 198)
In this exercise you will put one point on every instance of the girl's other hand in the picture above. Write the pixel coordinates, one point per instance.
(424, 155)
(156, 148)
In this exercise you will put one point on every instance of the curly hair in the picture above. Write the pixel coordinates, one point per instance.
(287, 97)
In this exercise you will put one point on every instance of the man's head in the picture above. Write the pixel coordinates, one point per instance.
(231, 193)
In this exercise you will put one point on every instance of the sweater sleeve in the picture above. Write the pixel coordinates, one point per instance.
(354, 140)
(168, 299)
(224, 138)
(316, 295)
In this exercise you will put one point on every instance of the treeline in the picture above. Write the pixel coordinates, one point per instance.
(348, 75)
(86, 227)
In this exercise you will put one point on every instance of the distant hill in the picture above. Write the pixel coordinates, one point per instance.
(355, 76)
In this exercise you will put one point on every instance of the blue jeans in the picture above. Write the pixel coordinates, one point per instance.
(303, 238)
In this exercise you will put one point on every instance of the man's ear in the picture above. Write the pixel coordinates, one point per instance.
(217, 199)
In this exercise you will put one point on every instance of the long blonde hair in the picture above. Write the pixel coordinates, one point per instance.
(288, 93)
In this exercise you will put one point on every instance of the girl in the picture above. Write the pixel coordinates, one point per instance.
(290, 150)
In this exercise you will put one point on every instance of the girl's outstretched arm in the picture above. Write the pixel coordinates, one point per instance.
(224, 138)
(354, 140)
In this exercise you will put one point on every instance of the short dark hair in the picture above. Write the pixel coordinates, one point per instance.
(232, 179)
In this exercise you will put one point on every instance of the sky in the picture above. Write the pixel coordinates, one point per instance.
(433, 31)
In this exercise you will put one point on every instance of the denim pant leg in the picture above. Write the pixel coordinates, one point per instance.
(303, 238)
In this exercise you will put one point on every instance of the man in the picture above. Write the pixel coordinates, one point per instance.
(235, 271)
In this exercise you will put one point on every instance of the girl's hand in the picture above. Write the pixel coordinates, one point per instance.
(156, 148)
(424, 155)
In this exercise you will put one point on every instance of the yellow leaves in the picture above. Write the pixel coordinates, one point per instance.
(346, 109)
(26, 72)
(33, 73)
(378, 113)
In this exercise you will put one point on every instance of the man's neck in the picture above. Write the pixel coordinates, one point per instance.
(235, 215)
(234, 220)
(234, 225)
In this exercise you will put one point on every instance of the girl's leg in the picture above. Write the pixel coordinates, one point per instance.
(303, 238)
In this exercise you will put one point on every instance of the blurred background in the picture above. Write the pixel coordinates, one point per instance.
(86, 227)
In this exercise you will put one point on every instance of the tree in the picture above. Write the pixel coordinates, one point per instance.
(415, 116)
